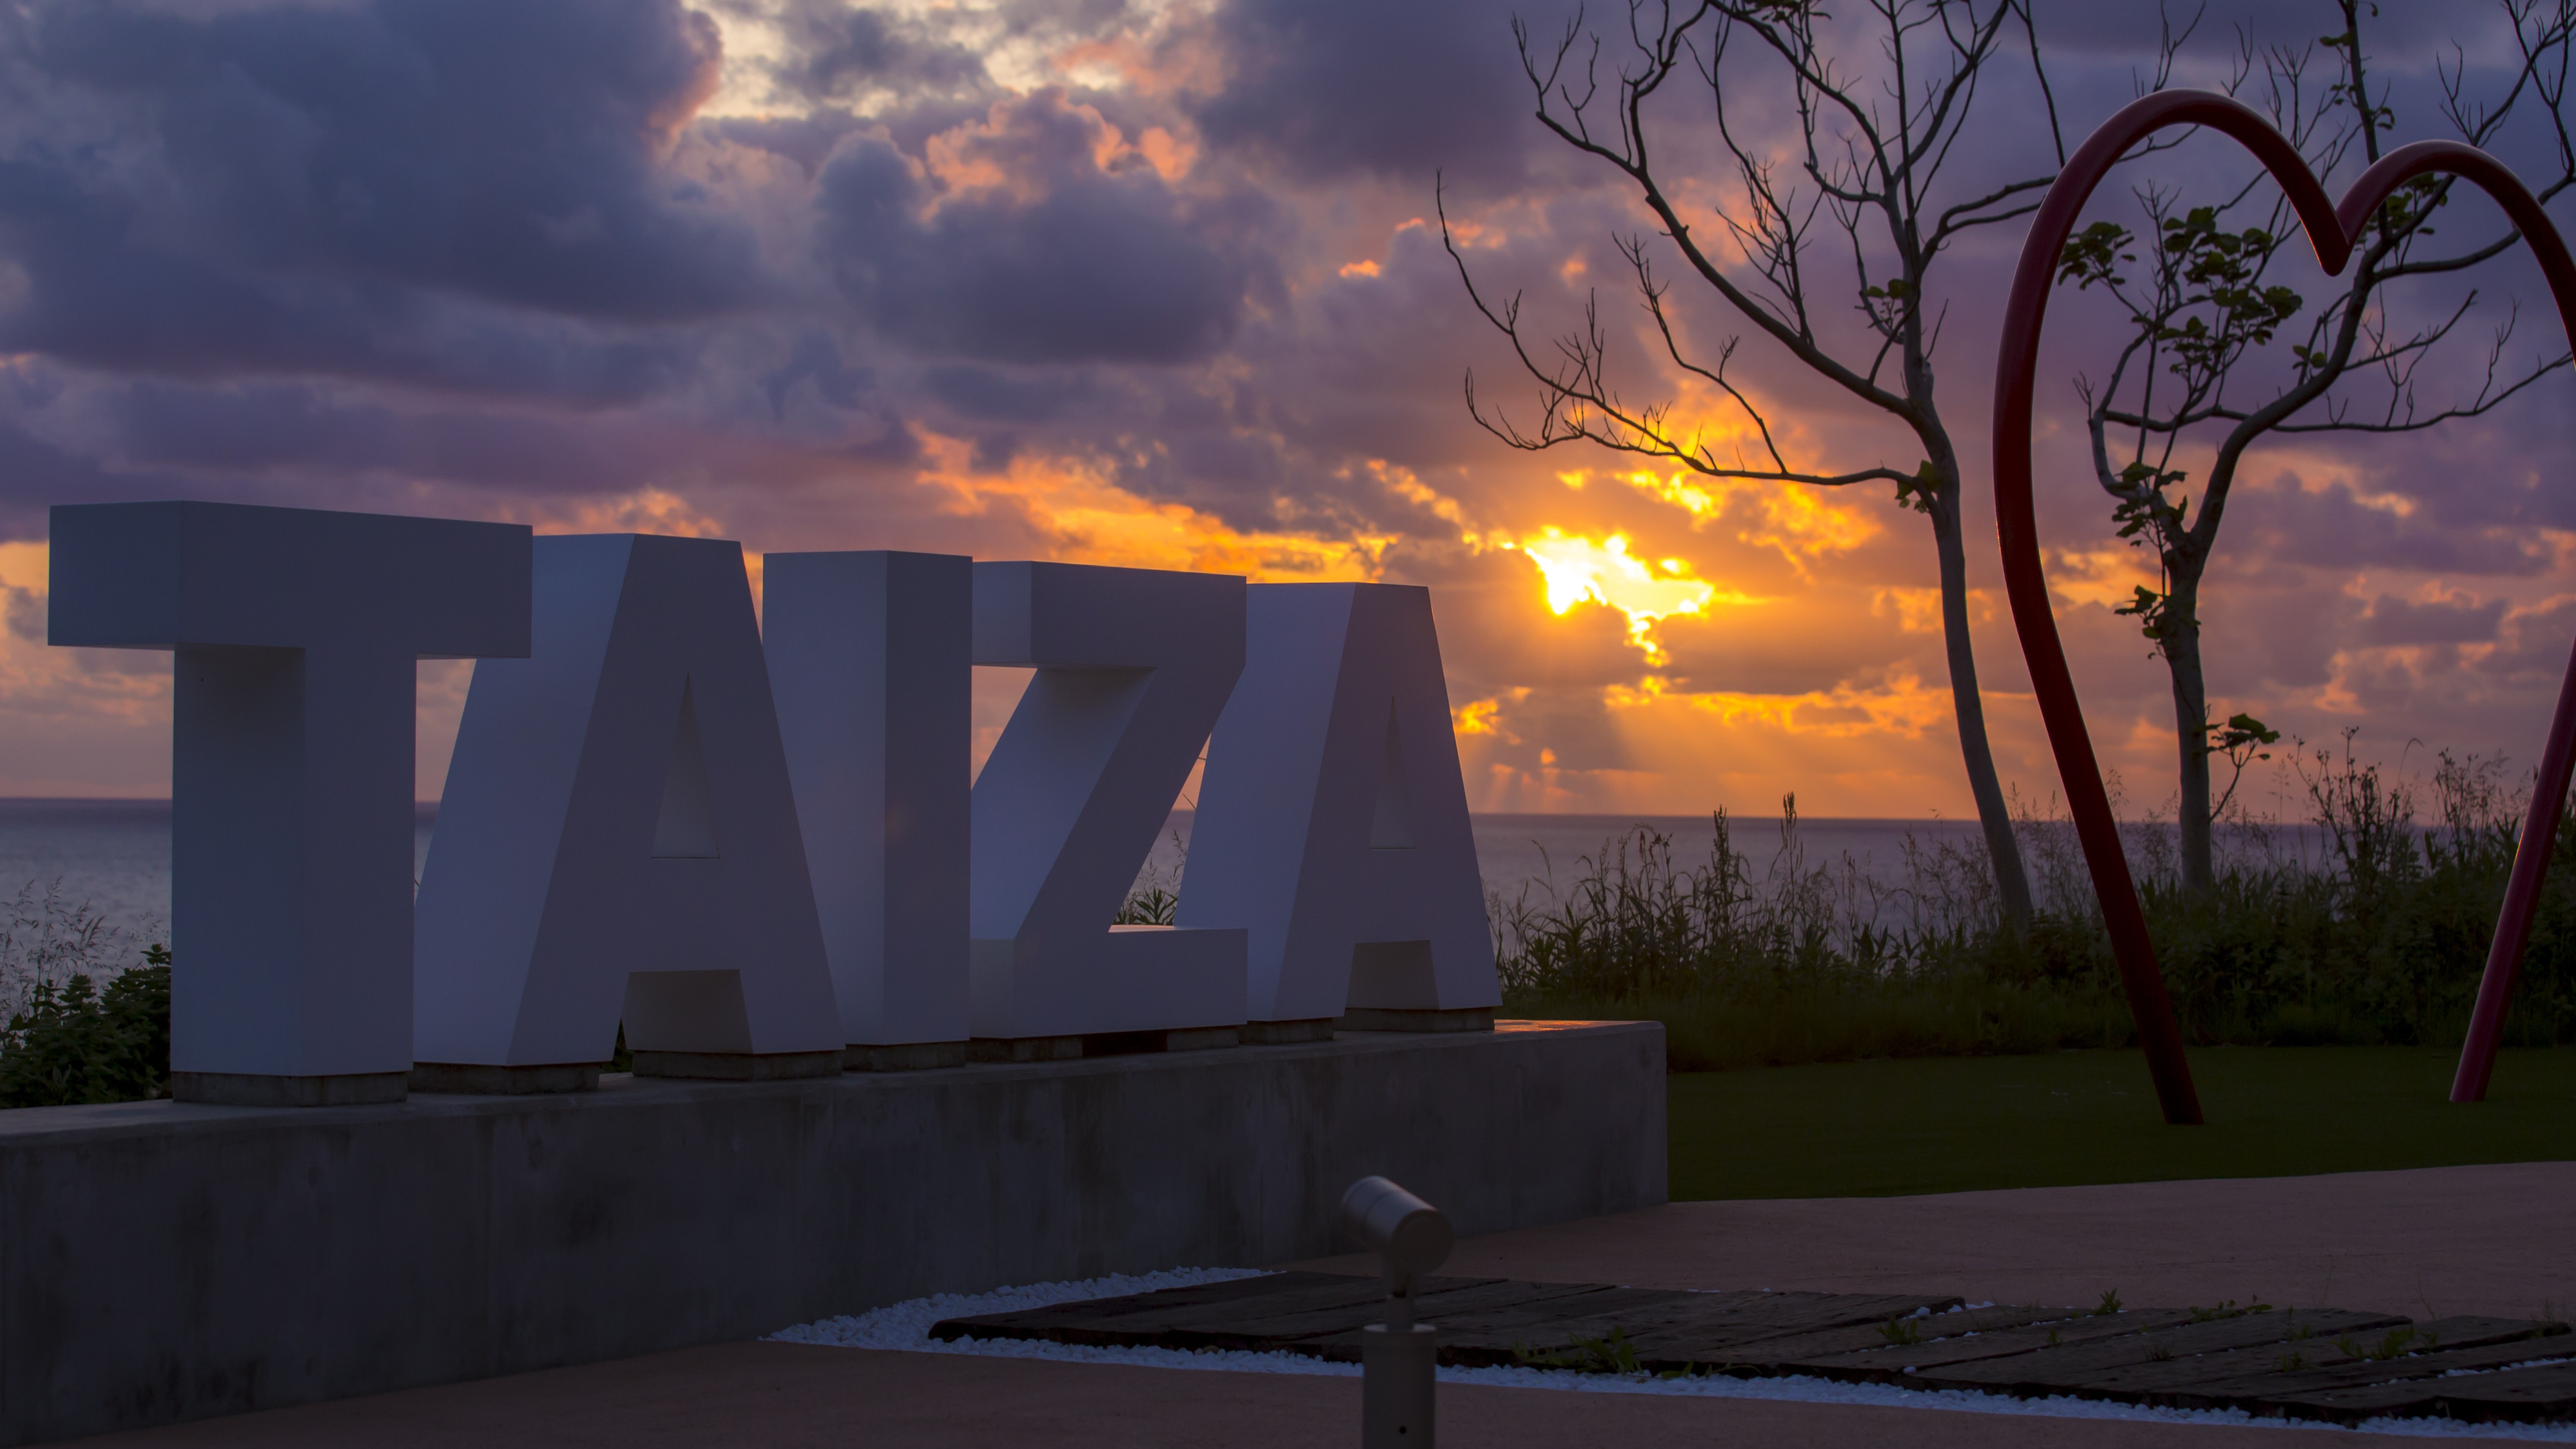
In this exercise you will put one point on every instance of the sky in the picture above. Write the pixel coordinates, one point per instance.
(1160, 283)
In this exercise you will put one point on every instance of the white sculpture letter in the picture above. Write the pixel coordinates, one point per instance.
(618, 835)
(296, 633)
(868, 653)
(1133, 667)
(1332, 821)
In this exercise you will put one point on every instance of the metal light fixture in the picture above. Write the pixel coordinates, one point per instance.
(1412, 1238)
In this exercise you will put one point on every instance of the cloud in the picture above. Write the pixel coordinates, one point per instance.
(2396, 621)
(36, 473)
(2535, 643)
(26, 612)
(2334, 528)
(1810, 646)
(1030, 250)
(1333, 89)
(412, 189)
(1137, 283)
(817, 363)
(836, 50)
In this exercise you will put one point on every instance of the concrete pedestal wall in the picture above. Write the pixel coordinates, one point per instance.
(164, 1261)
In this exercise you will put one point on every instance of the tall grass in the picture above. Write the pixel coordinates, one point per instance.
(2369, 927)
(47, 939)
(84, 1004)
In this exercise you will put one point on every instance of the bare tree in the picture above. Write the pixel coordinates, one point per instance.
(2212, 346)
(1875, 137)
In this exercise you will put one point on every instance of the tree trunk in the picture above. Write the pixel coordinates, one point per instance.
(2191, 727)
(2010, 879)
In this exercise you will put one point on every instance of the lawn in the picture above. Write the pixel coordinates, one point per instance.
(1952, 1124)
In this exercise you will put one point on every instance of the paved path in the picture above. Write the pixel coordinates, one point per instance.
(2429, 1243)
(2440, 1241)
(784, 1396)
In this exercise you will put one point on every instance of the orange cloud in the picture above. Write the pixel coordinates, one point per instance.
(1089, 519)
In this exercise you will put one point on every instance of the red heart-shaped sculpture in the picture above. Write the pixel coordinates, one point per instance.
(2331, 229)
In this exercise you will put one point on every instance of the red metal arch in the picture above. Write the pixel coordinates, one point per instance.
(2331, 229)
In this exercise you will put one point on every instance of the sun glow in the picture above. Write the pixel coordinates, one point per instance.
(1803, 524)
(1576, 568)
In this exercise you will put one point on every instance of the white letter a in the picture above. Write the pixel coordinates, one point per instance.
(1332, 820)
(618, 838)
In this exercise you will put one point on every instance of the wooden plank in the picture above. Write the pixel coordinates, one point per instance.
(1847, 1320)
(1141, 1318)
(2306, 1346)
(1492, 1338)
(1895, 1365)
(1782, 1354)
(1040, 1323)
(2291, 1354)
(1694, 1323)
(1463, 1313)
(2251, 1378)
(2514, 1396)
(1480, 1331)
(2312, 1363)
(1217, 1325)
(2546, 1391)
(1294, 1330)
(2072, 1366)
(1469, 1303)
(2470, 1331)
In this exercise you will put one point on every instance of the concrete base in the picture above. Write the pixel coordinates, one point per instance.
(1204, 1039)
(2482, 1240)
(1378, 1018)
(1281, 1033)
(162, 1261)
(738, 1066)
(919, 1056)
(486, 1081)
(1101, 1044)
(242, 1089)
(1024, 1049)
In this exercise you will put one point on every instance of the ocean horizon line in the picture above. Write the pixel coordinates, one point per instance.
(426, 808)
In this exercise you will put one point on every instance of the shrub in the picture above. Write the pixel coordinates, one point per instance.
(2377, 935)
(69, 1039)
(73, 1042)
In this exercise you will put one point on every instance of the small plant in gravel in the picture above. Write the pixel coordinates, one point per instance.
(1610, 1354)
(2396, 1343)
(2227, 1308)
(2109, 1305)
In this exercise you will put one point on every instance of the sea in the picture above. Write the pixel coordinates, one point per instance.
(114, 855)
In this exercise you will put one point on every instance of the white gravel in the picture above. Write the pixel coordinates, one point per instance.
(906, 1327)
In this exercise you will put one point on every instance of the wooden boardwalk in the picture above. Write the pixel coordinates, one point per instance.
(2308, 1363)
